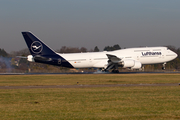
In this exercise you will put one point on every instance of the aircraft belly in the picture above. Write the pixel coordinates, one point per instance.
(100, 64)
(88, 64)
(152, 60)
(82, 60)
(80, 64)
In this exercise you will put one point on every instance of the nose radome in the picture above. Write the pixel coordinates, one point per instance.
(175, 55)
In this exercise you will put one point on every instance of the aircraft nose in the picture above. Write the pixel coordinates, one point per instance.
(171, 54)
(174, 54)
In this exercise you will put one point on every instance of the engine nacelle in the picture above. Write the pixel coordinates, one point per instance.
(30, 58)
(137, 65)
(127, 63)
(130, 64)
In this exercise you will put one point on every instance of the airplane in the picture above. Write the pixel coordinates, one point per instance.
(133, 58)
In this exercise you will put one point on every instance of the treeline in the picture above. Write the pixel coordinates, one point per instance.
(15, 62)
(3, 53)
(111, 48)
(24, 65)
(65, 49)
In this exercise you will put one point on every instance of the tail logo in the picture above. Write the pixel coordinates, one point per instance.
(36, 47)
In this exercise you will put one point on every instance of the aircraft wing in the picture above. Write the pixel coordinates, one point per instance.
(112, 62)
(113, 58)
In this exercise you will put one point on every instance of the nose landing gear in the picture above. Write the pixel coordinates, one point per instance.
(163, 67)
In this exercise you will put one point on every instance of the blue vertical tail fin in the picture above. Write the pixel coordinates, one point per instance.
(42, 53)
(36, 46)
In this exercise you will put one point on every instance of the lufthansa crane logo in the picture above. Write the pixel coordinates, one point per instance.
(36, 47)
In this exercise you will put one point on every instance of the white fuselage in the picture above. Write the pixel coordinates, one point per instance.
(132, 58)
(145, 55)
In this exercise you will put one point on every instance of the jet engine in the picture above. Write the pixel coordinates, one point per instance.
(137, 65)
(130, 64)
(30, 58)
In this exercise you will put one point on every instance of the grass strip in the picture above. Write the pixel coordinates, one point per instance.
(91, 103)
(92, 79)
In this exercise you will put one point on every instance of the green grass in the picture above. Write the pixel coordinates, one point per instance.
(69, 79)
(143, 102)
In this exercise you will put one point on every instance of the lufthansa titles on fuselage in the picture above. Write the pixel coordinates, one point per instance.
(150, 53)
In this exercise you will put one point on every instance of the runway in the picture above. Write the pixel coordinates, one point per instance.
(87, 86)
(129, 72)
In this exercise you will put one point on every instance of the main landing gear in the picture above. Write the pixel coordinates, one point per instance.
(115, 71)
(163, 67)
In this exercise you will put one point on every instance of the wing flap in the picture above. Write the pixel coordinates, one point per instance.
(113, 58)
(113, 61)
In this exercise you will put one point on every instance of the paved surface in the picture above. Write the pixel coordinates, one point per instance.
(130, 72)
(86, 86)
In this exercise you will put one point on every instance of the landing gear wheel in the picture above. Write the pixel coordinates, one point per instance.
(115, 71)
(103, 70)
(163, 68)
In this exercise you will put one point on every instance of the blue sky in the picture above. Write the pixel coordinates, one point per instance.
(90, 23)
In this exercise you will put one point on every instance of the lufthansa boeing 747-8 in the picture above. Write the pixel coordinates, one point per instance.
(132, 58)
